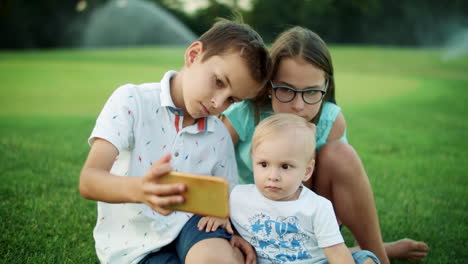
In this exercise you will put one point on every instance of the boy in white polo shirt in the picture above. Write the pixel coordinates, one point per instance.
(151, 129)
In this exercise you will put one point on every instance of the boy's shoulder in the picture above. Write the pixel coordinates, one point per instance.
(139, 88)
(138, 94)
(215, 125)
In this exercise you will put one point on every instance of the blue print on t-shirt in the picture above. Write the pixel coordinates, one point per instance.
(278, 240)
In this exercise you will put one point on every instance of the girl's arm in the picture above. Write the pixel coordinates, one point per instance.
(97, 183)
(338, 128)
(338, 254)
(232, 131)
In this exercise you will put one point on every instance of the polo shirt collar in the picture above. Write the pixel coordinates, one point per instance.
(203, 124)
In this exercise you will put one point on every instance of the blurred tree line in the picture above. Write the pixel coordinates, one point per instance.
(55, 23)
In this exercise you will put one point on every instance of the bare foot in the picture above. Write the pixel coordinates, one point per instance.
(407, 249)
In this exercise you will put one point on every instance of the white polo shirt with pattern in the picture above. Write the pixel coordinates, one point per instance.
(142, 122)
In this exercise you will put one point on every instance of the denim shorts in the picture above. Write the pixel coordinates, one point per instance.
(175, 252)
(360, 256)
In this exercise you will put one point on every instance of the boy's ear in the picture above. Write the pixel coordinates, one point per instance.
(309, 170)
(193, 53)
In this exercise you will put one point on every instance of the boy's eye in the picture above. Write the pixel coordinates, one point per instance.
(263, 164)
(285, 166)
(218, 82)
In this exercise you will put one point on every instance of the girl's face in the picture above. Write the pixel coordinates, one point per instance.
(298, 74)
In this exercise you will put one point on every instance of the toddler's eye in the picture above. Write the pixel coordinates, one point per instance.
(263, 164)
(285, 166)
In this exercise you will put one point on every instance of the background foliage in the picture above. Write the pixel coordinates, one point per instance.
(53, 23)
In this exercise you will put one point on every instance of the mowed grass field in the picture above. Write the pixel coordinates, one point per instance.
(406, 112)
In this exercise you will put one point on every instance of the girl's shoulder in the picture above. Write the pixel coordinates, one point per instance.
(240, 108)
(242, 118)
(329, 111)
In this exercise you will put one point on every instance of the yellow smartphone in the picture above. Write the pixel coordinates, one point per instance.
(205, 195)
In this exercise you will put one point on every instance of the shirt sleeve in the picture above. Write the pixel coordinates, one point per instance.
(237, 209)
(241, 115)
(115, 122)
(328, 117)
(325, 225)
(226, 166)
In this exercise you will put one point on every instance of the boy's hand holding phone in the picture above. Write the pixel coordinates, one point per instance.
(159, 196)
(164, 191)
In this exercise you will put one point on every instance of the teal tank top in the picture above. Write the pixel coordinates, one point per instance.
(242, 117)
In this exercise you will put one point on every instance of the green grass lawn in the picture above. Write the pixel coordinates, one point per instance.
(405, 110)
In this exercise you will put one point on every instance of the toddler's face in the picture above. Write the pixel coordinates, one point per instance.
(298, 74)
(211, 86)
(280, 165)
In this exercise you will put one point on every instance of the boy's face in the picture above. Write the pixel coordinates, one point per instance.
(298, 74)
(280, 165)
(211, 86)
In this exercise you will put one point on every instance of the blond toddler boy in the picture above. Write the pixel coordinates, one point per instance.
(284, 220)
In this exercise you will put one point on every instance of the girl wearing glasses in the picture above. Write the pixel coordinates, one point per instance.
(303, 84)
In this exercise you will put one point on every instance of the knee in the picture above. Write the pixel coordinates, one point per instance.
(336, 152)
(338, 156)
(220, 252)
(217, 257)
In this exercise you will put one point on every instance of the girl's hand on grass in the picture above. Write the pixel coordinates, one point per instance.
(158, 196)
(210, 224)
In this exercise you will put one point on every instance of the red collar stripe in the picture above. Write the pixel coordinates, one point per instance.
(176, 123)
(202, 124)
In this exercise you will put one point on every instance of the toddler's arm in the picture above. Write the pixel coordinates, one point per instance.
(338, 254)
(97, 183)
(212, 223)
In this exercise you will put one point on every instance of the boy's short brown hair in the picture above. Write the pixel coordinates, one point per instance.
(228, 36)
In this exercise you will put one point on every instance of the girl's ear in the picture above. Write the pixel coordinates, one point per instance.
(309, 170)
(193, 53)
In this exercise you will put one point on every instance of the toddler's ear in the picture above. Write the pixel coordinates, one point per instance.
(193, 52)
(309, 170)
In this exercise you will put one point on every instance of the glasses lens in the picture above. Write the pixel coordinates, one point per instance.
(312, 97)
(284, 94)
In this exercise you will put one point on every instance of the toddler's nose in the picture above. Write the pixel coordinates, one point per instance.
(274, 176)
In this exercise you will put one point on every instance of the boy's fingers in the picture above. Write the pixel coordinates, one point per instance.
(167, 200)
(159, 170)
(167, 189)
(163, 211)
(164, 159)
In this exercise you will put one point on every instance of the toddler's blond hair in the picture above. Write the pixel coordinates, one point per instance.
(281, 123)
